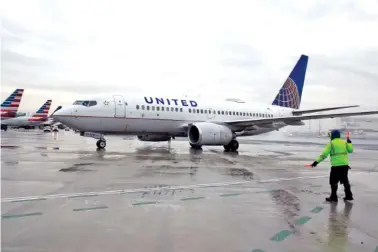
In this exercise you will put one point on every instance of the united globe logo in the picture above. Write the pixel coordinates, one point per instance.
(288, 96)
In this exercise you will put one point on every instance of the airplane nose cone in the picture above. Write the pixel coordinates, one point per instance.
(61, 112)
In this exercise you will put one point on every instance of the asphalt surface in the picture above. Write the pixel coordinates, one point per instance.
(60, 194)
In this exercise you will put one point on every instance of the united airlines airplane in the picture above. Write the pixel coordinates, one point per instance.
(155, 119)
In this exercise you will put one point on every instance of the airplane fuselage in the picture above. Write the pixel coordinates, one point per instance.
(21, 121)
(124, 115)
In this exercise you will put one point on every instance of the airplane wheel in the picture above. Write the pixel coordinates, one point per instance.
(226, 147)
(101, 144)
(232, 146)
(195, 146)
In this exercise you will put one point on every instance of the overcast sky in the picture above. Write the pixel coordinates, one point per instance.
(61, 50)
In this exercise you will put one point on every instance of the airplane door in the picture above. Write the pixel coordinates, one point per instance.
(120, 106)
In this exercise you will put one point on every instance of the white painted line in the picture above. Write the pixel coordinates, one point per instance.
(125, 191)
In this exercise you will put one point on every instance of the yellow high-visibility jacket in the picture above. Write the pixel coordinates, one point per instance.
(338, 149)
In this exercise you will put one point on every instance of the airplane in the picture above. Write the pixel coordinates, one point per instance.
(9, 108)
(30, 121)
(203, 122)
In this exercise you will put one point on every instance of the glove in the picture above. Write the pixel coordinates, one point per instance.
(314, 164)
(348, 140)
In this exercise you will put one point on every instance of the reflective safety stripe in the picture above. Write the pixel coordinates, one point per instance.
(333, 153)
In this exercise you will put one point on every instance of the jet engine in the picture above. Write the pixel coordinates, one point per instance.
(205, 133)
(153, 138)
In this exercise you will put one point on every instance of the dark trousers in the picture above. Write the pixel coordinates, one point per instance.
(340, 174)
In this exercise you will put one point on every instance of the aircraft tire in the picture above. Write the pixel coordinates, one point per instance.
(226, 147)
(195, 146)
(232, 146)
(101, 144)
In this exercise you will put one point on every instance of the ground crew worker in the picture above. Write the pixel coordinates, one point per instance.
(338, 150)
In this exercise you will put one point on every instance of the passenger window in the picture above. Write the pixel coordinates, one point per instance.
(172, 109)
(176, 109)
(201, 111)
(205, 111)
(153, 108)
(137, 106)
(168, 109)
(222, 112)
(148, 107)
(214, 112)
(180, 109)
(198, 111)
(218, 112)
(142, 107)
(190, 110)
(162, 108)
(157, 108)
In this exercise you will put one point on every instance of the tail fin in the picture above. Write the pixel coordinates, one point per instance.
(290, 94)
(42, 113)
(12, 103)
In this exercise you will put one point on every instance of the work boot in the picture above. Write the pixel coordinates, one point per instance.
(333, 197)
(348, 192)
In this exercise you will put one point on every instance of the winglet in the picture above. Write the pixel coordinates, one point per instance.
(290, 94)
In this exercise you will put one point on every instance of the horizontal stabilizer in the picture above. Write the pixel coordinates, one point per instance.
(301, 112)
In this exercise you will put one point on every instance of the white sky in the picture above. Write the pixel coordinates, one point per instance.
(61, 50)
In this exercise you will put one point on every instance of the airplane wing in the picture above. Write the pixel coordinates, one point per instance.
(300, 112)
(291, 120)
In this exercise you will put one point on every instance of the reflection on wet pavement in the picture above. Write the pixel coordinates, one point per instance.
(62, 194)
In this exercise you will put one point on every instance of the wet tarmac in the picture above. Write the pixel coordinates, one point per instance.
(60, 194)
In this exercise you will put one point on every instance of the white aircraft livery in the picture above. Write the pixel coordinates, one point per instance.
(155, 119)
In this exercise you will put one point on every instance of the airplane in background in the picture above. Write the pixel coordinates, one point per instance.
(203, 122)
(41, 115)
(9, 107)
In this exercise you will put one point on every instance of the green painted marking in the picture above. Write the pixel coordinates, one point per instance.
(85, 195)
(144, 203)
(302, 220)
(281, 235)
(316, 209)
(229, 194)
(258, 250)
(89, 208)
(193, 198)
(316, 186)
(376, 249)
(19, 215)
(27, 200)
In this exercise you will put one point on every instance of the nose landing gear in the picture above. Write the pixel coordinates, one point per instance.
(101, 144)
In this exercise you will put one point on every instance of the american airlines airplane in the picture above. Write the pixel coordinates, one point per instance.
(155, 119)
(9, 108)
(36, 119)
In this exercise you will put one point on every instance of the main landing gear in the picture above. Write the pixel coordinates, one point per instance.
(232, 146)
(194, 146)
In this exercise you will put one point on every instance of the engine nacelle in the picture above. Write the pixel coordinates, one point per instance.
(205, 133)
(153, 138)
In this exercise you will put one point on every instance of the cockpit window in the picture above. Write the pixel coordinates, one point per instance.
(92, 103)
(85, 103)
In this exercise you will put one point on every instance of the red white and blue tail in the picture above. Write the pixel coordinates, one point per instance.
(42, 112)
(10, 106)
